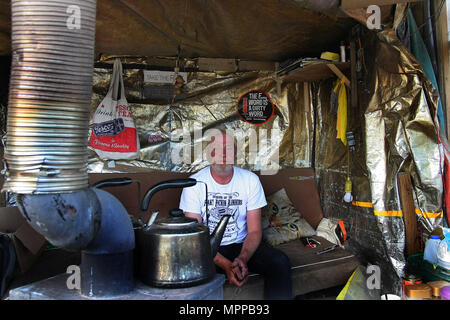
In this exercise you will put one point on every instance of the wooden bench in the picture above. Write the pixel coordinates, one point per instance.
(310, 272)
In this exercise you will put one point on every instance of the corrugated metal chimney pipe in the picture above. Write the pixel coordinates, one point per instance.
(50, 95)
(46, 142)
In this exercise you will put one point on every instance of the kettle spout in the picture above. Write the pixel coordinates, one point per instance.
(217, 235)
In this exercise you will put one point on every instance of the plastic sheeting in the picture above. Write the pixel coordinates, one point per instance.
(256, 30)
(209, 101)
(357, 287)
(402, 132)
(396, 130)
(420, 51)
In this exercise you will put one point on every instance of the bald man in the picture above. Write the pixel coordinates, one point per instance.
(239, 193)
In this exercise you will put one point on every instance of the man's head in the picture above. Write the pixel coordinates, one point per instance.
(221, 151)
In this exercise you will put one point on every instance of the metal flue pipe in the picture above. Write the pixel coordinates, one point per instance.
(47, 136)
(50, 96)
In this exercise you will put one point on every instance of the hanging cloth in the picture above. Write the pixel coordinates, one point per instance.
(419, 50)
(341, 123)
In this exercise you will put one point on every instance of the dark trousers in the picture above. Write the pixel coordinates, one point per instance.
(269, 262)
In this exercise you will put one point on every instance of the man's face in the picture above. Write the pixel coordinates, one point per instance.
(222, 150)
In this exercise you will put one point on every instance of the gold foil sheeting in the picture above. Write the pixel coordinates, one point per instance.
(395, 130)
(209, 101)
(401, 131)
(395, 127)
(401, 136)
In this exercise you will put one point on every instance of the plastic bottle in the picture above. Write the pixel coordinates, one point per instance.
(342, 47)
(443, 253)
(431, 248)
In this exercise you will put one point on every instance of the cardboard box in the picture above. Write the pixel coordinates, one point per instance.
(28, 243)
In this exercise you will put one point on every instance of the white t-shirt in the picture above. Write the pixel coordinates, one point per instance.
(244, 192)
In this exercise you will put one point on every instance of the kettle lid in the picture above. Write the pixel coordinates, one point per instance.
(177, 222)
(177, 219)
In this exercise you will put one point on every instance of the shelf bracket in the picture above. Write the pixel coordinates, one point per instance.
(339, 74)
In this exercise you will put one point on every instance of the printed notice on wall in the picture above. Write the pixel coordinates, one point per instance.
(155, 76)
(255, 107)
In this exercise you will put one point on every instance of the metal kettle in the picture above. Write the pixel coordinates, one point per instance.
(176, 251)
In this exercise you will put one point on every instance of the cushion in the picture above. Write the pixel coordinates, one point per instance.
(326, 228)
(281, 222)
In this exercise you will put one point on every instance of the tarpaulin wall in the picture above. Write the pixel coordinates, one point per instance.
(209, 101)
(395, 128)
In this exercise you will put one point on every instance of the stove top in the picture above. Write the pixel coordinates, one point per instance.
(55, 288)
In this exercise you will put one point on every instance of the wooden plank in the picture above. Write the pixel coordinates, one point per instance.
(353, 4)
(315, 72)
(256, 65)
(212, 64)
(409, 214)
(339, 74)
(306, 96)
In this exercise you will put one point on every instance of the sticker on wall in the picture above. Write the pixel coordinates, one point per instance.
(255, 107)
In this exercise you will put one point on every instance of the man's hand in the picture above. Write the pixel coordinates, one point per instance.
(240, 269)
(235, 275)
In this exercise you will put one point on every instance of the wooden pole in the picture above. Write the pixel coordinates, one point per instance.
(409, 213)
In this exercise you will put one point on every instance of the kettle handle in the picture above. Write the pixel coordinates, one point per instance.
(169, 184)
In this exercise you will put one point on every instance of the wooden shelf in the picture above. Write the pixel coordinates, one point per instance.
(316, 71)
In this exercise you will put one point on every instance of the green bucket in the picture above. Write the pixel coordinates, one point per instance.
(427, 271)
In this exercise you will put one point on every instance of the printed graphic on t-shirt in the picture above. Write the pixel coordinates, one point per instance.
(220, 204)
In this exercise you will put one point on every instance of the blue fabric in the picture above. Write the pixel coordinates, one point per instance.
(419, 50)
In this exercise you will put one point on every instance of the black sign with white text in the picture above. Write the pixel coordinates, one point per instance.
(255, 107)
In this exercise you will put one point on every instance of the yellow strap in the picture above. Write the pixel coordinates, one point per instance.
(388, 213)
(362, 204)
(397, 213)
(430, 215)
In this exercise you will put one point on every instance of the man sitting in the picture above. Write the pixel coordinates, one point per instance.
(239, 193)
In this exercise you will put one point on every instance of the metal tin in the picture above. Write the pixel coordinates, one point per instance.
(418, 291)
(410, 279)
(436, 287)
